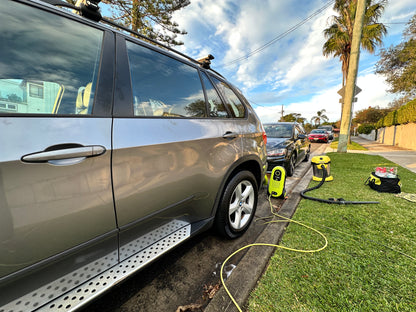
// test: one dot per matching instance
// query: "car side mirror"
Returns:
(301, 136)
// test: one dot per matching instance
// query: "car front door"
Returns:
(56, 204)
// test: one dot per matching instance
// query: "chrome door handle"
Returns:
(65, 153)
(230, 135)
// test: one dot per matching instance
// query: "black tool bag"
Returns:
(382, 184)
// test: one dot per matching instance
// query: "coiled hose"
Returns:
(339, 201)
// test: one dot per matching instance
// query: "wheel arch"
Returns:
(249, 163)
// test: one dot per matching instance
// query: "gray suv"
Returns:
(112, 152)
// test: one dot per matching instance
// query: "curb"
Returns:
(248, 271)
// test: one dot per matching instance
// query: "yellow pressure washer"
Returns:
(277, 183)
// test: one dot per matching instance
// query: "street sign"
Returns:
(341, 100)
(342, 91)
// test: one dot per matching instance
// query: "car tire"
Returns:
(290, 169)
(237, 205)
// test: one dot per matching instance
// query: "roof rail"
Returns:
(90, 10)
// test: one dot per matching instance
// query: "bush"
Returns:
(366, 128)
(405, 114)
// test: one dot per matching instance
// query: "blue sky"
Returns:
(292, 71)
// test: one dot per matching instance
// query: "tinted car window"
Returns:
(53, 65)
(163, 86)
(318, 131)
(231, 100)
(216, 106)
(278, 130)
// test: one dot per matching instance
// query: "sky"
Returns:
(291, 71)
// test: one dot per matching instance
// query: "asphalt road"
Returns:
(188, 275)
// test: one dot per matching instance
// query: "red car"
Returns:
(318, 135)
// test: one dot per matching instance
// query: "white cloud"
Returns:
(373, 94)
(293, 70)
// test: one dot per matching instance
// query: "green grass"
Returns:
(364, 267)
(352, 146)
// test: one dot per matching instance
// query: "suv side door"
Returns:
(56, 204)
(170, 153)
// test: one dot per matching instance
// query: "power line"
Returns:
(281, 36)
(394, 23)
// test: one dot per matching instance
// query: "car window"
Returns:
(231, 100)
(297, 131)
(318, 131)
(278, 131)
(163, 86)
(216, 106)
(49, 68)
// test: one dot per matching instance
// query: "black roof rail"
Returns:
(90, 10)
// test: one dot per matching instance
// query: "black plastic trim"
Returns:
(103, 102)
(123, 95)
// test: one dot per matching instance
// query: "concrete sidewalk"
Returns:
(401, 156)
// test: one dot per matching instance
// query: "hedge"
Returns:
(403, 115)
(366, 128)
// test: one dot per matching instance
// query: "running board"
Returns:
(94, 287)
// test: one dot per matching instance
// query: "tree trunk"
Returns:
(351, 78)
(135, 16)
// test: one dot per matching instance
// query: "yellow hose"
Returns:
(271, 245)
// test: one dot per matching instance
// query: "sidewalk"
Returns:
(401, 156)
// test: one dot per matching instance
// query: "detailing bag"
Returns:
(384, 184)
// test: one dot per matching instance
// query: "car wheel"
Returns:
(237, 206)
(290, 169)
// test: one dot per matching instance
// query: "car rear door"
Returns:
(170, 156)
(56, 205)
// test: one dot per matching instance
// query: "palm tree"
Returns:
(339, 33)
(319, 116)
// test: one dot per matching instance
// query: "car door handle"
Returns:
(64, 153)
(230, 135)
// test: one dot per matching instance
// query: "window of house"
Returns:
(36, 90)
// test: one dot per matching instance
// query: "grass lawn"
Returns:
(369, 264)
(352, 146)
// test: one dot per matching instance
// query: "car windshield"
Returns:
(278, 131)
(318, 131)
(326, 128)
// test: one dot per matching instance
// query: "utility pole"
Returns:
(351, 77)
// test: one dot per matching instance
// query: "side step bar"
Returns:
(104, 274)
(99, 284)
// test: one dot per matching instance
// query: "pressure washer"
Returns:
(276, 187)
(321, 172)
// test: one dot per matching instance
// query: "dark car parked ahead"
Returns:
(287, 145)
